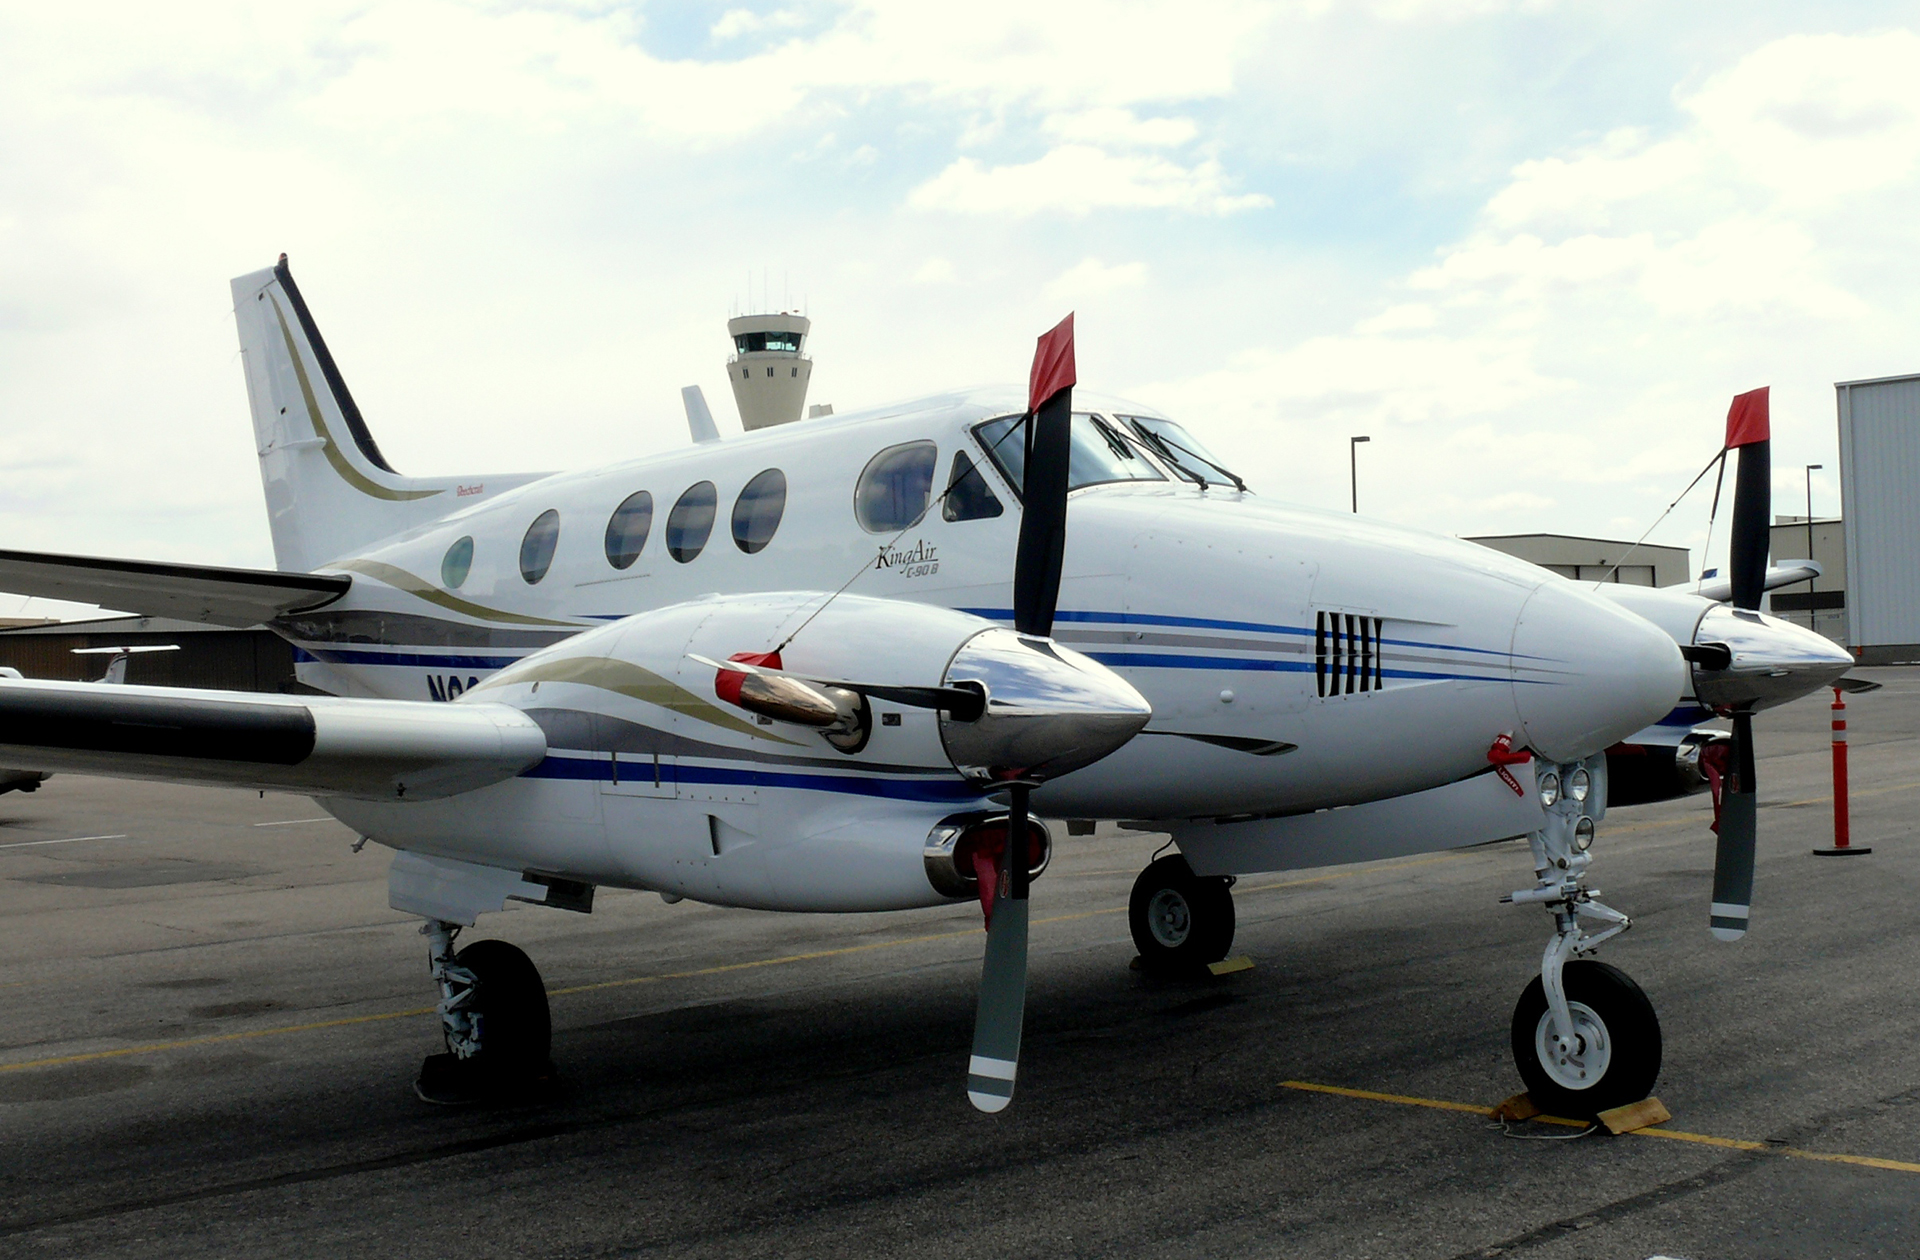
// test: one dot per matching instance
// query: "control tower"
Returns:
(768, 371)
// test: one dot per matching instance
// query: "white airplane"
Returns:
(833, 666)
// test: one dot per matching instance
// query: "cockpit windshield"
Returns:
(1101, 452)
(1171, 442)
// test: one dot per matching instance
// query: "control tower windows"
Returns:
(1100, 452)
(536, 549)
(757, 512)
(627, 529)
(755, 342)
(895, 487)
(691, 521)
(968, 497)
(455, 565)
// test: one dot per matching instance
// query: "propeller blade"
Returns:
(1003, 975)
(1043, 493)
(1733, 857)
(1748, 432)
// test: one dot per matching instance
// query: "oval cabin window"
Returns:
(627, 529)
(691, 521)
(757, 512)
(895, 487)
(536, 549)
(457, 563)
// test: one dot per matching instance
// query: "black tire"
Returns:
(1631, 1060)
(1180, 921)
(515, 1029)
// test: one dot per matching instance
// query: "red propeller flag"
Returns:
(1747, 418)
(1052, 364)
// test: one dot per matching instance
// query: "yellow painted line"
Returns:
(1677, 1135)
(152, 1047)
(1404, 1100)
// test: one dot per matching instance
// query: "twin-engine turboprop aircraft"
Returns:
(834, 665)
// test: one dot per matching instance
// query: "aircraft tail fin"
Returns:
(329, 489)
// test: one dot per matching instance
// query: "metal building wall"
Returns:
(227, 660)
(1880, 504)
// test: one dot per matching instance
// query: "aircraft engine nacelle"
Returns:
(825, 676)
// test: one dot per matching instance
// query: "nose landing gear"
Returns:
(1180, 921)
(1585, 1037)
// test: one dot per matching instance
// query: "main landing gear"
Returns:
(1585, 1037)
(1180, 921)
(493, 1013)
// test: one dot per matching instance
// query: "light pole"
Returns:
(1810, 468)
(1353, 466)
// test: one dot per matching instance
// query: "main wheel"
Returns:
(1180, 920)
(1616, 1043)
(512, 1023)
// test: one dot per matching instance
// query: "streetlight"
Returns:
(1810, 468)
(1353, 465)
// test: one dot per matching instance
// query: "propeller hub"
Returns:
(1771, 661)
(1049, 710)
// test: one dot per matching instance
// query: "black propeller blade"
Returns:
(1043, 497)
(1036, 594)
(1748, 433)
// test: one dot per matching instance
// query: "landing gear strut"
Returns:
(1180, 920)
(1585, 1037)
(493, 1014)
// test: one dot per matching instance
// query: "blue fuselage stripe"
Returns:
(599, 768)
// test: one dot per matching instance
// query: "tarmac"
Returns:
(210, 1021)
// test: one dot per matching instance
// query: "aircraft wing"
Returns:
(188, 592)
(321, 746)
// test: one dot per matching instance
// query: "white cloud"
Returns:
(1112, 128)
(1589, 328)
(737, 22)
(1076, 179)
(1092, 278)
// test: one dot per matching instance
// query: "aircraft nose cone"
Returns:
(1587, 673)
(1773, 661)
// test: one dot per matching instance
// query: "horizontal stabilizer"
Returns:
(321, 746)
(1720, 587)
(187, 592)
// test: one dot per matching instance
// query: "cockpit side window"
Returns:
(968, 497)
(1101, 452)
(895, 487)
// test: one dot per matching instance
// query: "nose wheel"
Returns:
(1180, 921)
(1609, 1057)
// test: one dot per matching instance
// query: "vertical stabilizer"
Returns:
(699, 419)
(330, 492)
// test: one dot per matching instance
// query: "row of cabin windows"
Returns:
(894, 492)
(756, 515)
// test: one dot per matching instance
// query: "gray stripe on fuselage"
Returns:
(405, 630)
(571, 730)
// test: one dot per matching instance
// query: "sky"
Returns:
(1530, 249)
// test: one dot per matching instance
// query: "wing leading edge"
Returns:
(188, 592)
(320, 746)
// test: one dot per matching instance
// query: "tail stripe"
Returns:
(349, 410)
(348, 473)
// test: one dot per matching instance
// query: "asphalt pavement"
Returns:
(210, 1021)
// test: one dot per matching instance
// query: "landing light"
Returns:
(1579, 783)
(1583, 834)
(1549, 789)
